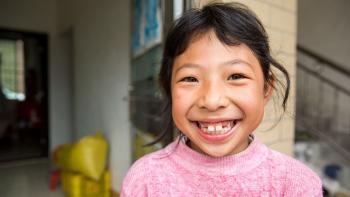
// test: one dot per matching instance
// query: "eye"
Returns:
(189, 79)
(236, 77)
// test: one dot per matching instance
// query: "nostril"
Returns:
(214, 104)
(212, 97)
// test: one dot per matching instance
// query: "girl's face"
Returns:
(218, 95)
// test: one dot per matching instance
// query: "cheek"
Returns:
(179, 102)
(182, 96)
(183, 100)
(251, 101)
(179, 109)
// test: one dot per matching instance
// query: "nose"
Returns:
(213, 96)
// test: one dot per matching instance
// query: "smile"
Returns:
(217, 131)
(216, 128)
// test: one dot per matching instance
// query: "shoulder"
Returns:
(140, 173)
(299, 179)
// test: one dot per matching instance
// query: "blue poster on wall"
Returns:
(147, 25)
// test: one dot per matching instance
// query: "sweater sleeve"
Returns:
(135, 181)
(302, 181)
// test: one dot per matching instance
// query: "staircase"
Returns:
(323, 101)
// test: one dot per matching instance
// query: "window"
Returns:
(12, 69)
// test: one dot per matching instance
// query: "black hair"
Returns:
(233, 24)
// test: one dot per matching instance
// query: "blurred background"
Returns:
(70, 68)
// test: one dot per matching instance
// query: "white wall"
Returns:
(61, 90)
(101, 73)
(324, 27)
(92, 97)
(34, 15)
(39, 16)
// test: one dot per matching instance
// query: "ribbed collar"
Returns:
(196, 162)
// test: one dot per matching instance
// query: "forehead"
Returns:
(207, 49)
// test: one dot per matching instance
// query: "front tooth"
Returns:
(218, 128)
(211, 128)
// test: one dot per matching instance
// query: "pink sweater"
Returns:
(257, 171)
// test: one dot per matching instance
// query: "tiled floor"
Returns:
(26, 179)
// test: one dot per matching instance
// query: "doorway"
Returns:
(23, 95)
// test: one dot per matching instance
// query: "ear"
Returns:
(268, 91)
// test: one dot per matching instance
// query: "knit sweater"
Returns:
(177, 170)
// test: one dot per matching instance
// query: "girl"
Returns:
(217, 79)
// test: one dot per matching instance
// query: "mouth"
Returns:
(217, 130)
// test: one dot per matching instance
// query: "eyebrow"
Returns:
(226, 63)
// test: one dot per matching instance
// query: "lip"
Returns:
(218, 137)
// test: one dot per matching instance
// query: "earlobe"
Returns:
(269, 87)
(268, 93)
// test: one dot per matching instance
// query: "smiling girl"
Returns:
(217, 79)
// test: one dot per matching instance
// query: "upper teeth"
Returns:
(216, 128)
(211, 128)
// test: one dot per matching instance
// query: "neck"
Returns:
(237, 149)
